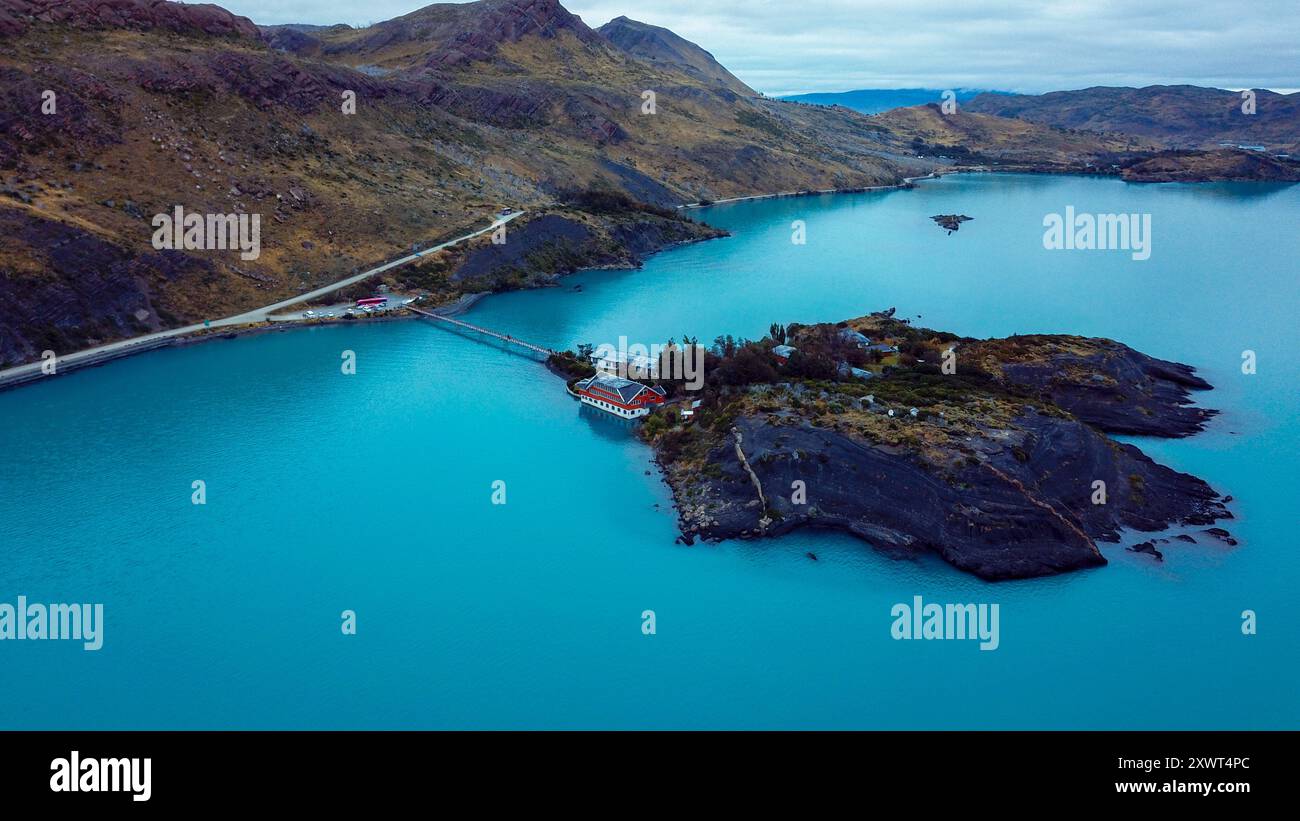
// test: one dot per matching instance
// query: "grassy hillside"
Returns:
(460, 110)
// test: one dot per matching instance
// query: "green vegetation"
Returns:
(572, 366)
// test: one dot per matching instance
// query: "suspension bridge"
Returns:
(510, 340)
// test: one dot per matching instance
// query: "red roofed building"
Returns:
(621, 397)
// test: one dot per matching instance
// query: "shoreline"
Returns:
(16, 380)
(229, 332)
(904, 184)
(11, 381)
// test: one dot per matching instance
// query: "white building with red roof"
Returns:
(621, 397)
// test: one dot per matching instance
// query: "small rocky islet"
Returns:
(950, 222)
(993, 454)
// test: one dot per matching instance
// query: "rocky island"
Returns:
(951, 222)
(992, 453)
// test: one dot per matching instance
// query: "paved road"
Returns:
(249, 317)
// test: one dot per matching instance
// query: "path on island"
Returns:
(103, 353)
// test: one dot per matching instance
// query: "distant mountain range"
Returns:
(1178, 116)
(876, 100)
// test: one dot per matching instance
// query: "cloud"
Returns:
(1018, 45)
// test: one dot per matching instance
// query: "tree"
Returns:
(777, 332)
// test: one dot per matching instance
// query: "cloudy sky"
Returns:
(791, 46)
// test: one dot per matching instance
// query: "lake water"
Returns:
(373, 493)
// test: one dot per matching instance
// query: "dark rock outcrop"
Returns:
(951, 222)
(1118, 389)
(1148, 547)
(1003, 485)
(545, 247)
(1021, 510)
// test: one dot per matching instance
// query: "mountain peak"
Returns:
(658, 45)
(467, 32)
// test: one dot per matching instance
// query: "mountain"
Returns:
(984, 139)
(1176, 116)
(461, 109)
(456, 34)
(114, 112)
(876, 100)
(657, 45)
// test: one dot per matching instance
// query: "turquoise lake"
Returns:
(373, 493)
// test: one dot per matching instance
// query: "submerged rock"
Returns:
(1222, 535)
(1148, 548)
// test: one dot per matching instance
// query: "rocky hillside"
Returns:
(999, 463)
(1205, 166)
(656, 45)
(1174, 116)
(460, 109)
(354, 145)
(17, 16)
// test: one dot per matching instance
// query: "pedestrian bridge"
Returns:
(510, 340)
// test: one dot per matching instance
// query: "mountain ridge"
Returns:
(458, 111)
(1180, 116)
(655, 44)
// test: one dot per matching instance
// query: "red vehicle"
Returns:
(374, 301)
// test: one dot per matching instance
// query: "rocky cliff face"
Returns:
(1003, 474)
